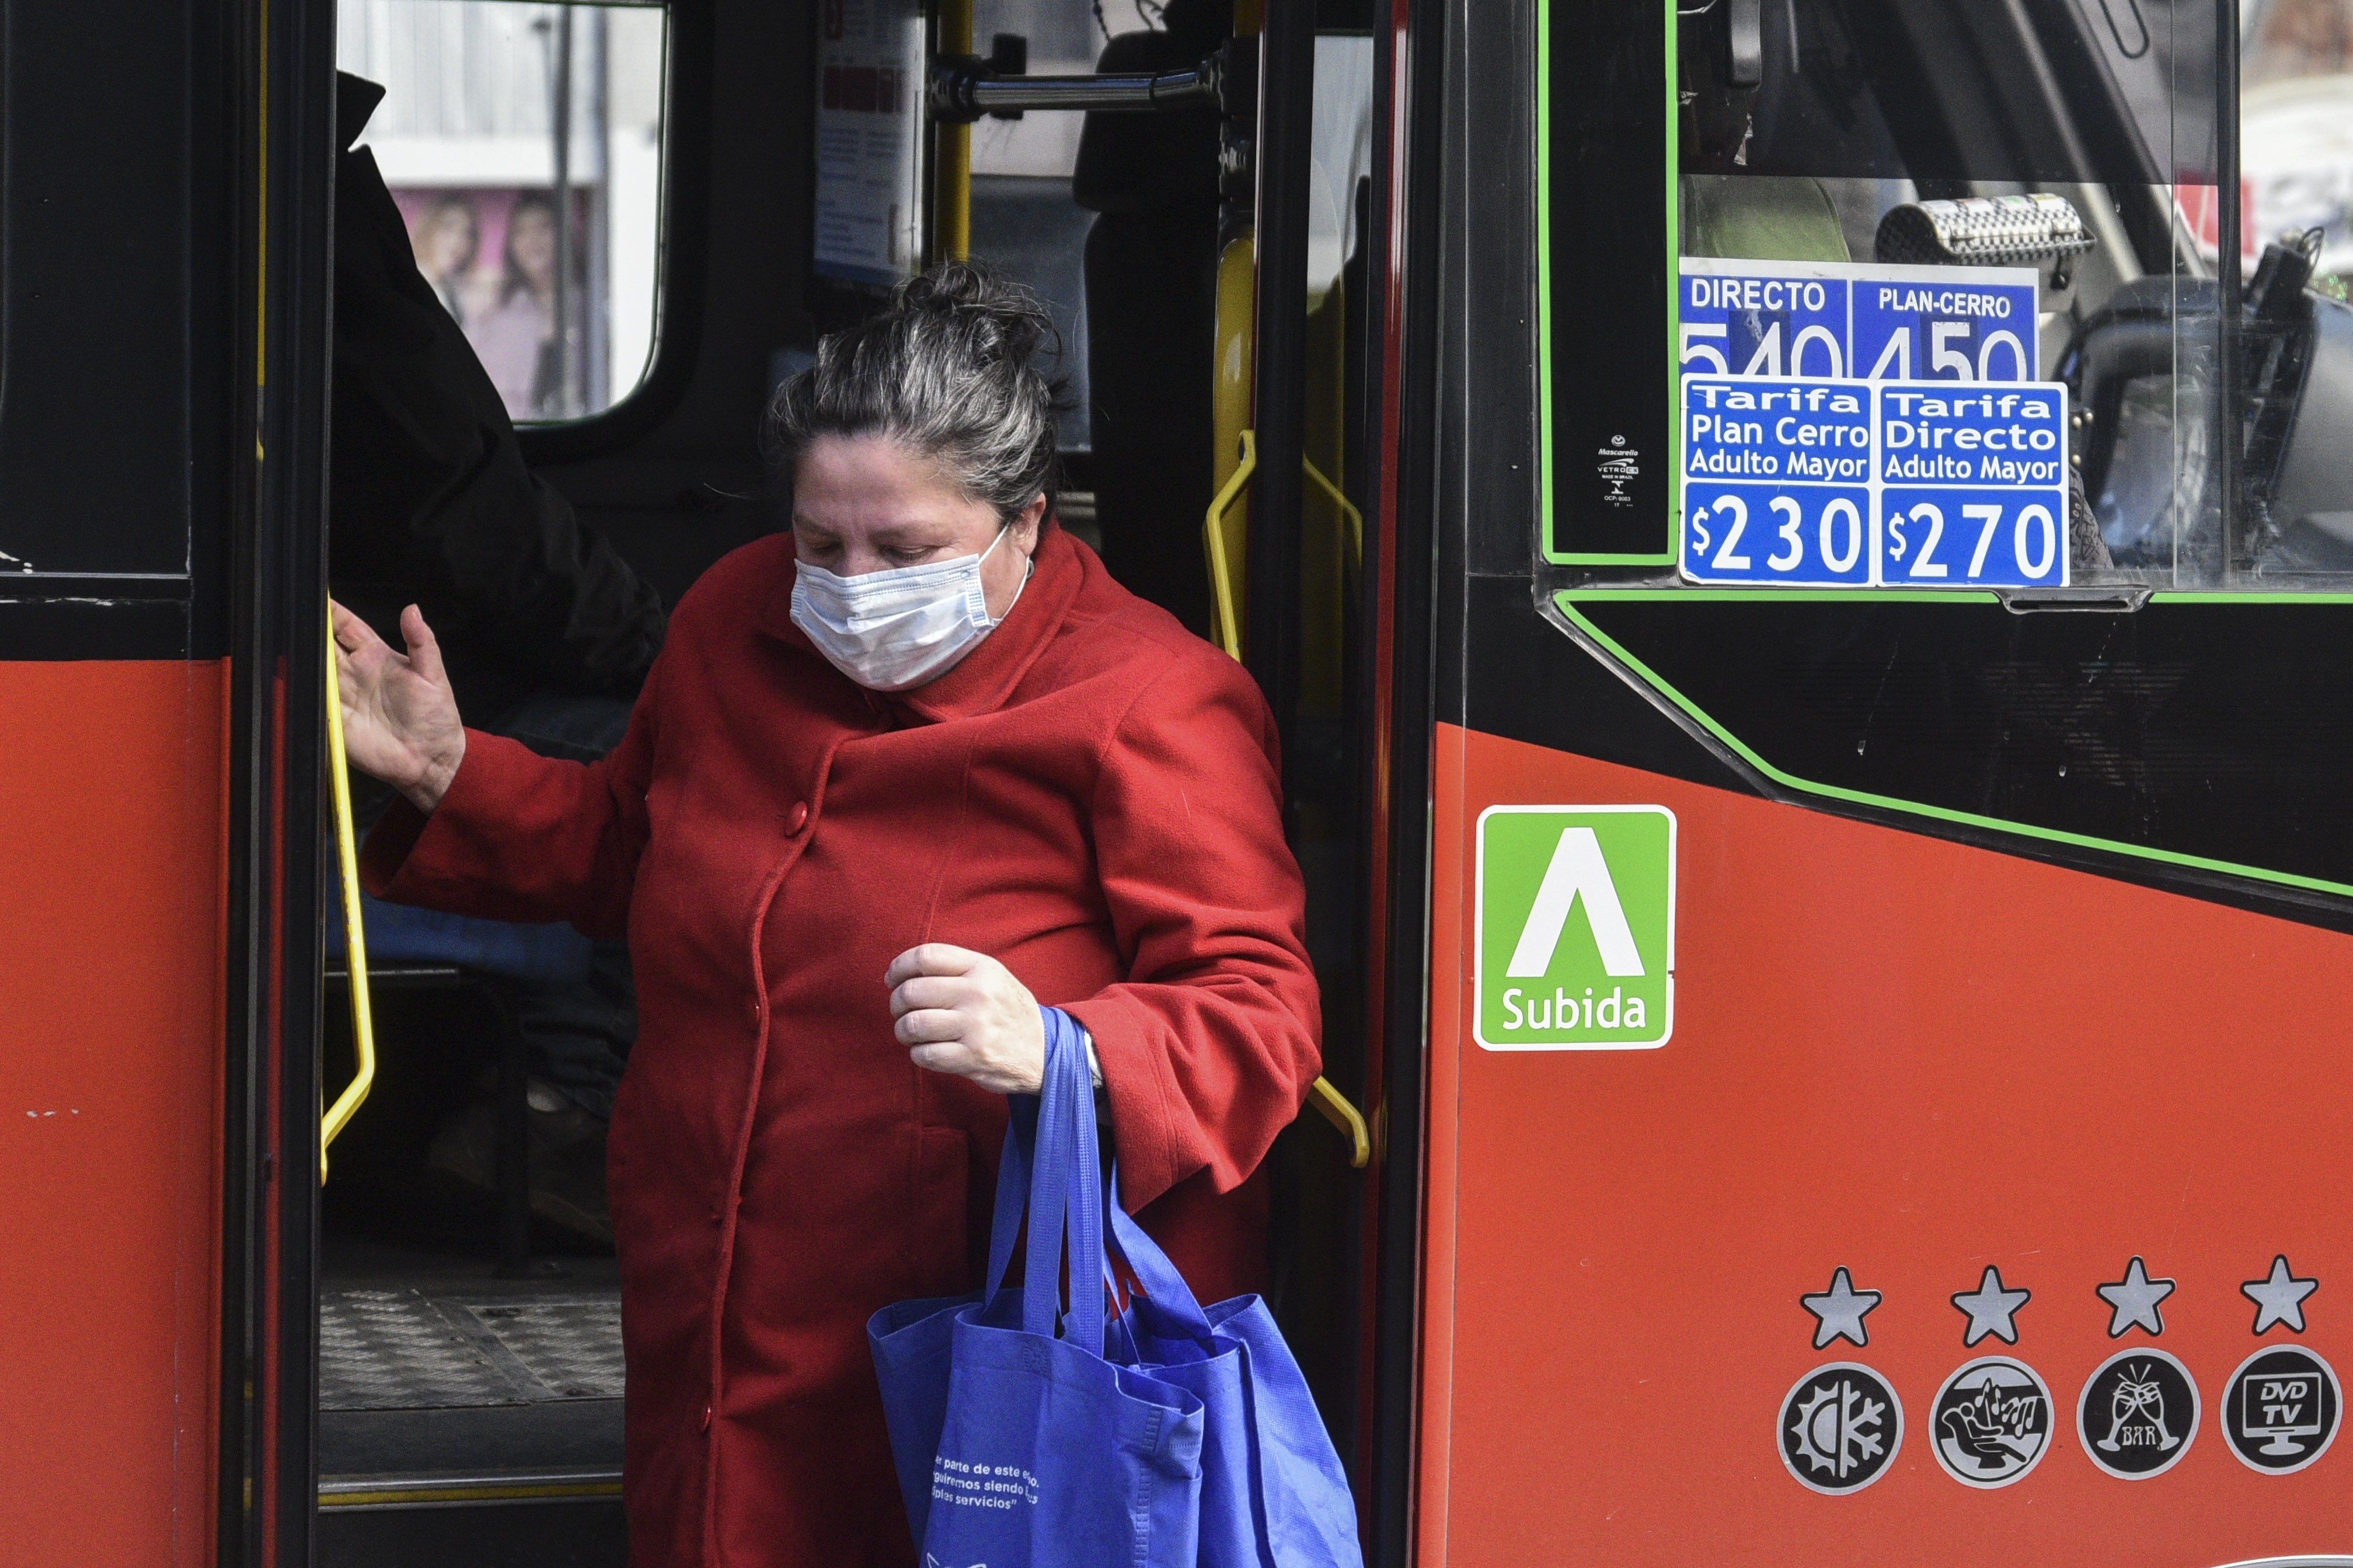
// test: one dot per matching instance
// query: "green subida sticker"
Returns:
(1575, 944)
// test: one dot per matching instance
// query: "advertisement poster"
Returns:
(870, 123)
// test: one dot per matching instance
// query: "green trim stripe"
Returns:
(1683, 595)
(1568, 604)
(1544, 278)
(1674, 110)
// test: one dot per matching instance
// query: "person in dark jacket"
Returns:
(547, 629)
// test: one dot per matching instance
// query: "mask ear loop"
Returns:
(1029, 570)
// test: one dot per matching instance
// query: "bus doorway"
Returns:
(583, 190)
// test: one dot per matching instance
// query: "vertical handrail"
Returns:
(1347, 509)
(1225, 608)
(952, 147)
(347, 857)
(1226, 618)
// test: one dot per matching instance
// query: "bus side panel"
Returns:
(1911, 1059)
(111, 1053)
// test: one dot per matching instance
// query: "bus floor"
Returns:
(466, 1419)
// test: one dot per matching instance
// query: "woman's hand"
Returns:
(400, 719)
(962, 1012)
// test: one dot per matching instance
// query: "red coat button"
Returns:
(706, 1418)
(796, 818)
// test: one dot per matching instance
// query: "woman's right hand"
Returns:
(400, 718)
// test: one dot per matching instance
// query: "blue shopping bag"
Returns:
(911, 1339)
(1273, 1493)
(1266, 1488)
(1037, 1452)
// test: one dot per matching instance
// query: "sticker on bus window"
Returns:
(1817, 482)
(1867, 322)
(1868, 426)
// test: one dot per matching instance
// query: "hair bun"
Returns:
(1009, 319)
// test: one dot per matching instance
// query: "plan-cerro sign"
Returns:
(1575, 941)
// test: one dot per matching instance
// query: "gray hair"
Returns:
(948, 371)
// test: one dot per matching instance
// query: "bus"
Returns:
(1801, 551)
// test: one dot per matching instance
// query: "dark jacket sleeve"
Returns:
(431, 501)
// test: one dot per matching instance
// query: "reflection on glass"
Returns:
(1798, 152)
(523, 143)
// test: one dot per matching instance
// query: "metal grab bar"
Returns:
(1347, 510)
(1224, 614)
(952, 148)
(347, 854)
(1335, 1107)
(962, 89)
(1346, 1118)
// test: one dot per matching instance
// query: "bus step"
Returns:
(520, 1519)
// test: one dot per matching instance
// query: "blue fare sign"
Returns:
(1973, 485)
(1777, 480)
(1865, 321)
(1838, 483)
(1972, 328)
(1754, 322)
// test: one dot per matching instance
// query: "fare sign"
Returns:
(1866, 323)
(1834, 482)
(1866, 427)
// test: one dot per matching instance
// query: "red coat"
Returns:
(1091, 796)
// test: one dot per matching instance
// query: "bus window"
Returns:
(1024, 220)
(2297, 128)
(1868, 198)
(498, 116)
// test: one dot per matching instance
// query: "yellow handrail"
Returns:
(1224, 612)
(1334, 1106)
(1345, 1117)
(1347, 510)
(952, 150)
(347, 856)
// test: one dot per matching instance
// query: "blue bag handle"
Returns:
(1051, 1146)
(1012, 1188)
(1162, 1283)
(1065, 1196)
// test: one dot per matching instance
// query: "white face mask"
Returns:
(892, 630)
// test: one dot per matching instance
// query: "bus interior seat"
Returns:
(1761, 217)
(1151, 285)
(415, 949)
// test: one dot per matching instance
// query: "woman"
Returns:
(447, 236)
(515, 336)
(898, 778)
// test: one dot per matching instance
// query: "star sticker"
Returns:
(2135, 1298)
(1991, 1309)
(1841, 1309)
(2279, 1299)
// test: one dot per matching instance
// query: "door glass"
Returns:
(1027, 220)
(2295, 368)
(498, 117)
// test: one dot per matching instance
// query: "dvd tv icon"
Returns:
(1574, 945)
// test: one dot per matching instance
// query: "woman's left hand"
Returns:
(962, 1012)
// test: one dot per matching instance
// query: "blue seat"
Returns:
(399, 934)
(409, 946)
